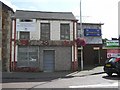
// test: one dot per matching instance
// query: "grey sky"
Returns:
(94, 11)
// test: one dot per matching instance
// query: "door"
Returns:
(79, 59)
(49, 60)
(96, 57)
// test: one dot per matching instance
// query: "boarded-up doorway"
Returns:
(49, 60)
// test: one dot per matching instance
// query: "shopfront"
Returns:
(92, 51)
(113, 49)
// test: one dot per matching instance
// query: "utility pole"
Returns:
(119, 40)
(81, 35)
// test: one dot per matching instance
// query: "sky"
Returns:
(93, 11)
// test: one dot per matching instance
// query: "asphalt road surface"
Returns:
(100, 81)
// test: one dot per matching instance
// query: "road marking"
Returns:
(96, 85)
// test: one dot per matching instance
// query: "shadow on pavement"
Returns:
(44, 76)
(33, 77)
(113, 77)
(90, 74)
(89, 67)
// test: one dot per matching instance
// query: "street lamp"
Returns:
(81, 35)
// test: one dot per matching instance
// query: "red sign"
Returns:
(113, 53)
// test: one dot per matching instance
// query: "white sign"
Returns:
(33, 60)
(112, 55)
(25, 26)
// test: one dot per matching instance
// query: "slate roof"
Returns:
(44, 15)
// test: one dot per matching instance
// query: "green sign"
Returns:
(112, 43)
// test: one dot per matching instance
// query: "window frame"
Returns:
(45, 30)
(23, 32)
(63, 32)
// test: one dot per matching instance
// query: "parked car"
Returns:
(112, 65)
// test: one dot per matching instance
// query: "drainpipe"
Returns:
(10, 47)
(75, 48)
(14, 63)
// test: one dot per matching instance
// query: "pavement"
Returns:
(64, 74)
(87, 72)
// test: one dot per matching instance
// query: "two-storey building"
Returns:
(44, 41)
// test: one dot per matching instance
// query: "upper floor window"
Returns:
(24, 35)
(45, 31)
(64, 31)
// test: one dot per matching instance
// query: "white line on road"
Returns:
(105, 85)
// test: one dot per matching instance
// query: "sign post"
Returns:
(119, 40)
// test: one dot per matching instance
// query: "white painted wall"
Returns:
(35, 35)
(54, 29)
(12, 56)
(71, 30)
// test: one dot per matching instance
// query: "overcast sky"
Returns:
(93, 11)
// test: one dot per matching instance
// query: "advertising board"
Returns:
(92, 32)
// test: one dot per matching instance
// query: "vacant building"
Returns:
(44, 41)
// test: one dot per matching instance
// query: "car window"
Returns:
(112, 60)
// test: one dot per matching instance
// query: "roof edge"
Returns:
(7, 6)
(44, 11)
(93, 23)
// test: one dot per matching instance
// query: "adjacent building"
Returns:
(93, 54)
(44, 41)
(5, 35)
(0, 36)
(112, 48)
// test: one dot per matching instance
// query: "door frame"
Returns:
(98, 53)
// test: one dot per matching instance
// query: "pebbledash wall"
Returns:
(53, 50)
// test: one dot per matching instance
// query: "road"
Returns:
(100, 80)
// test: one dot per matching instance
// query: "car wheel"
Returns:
(109, 74)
